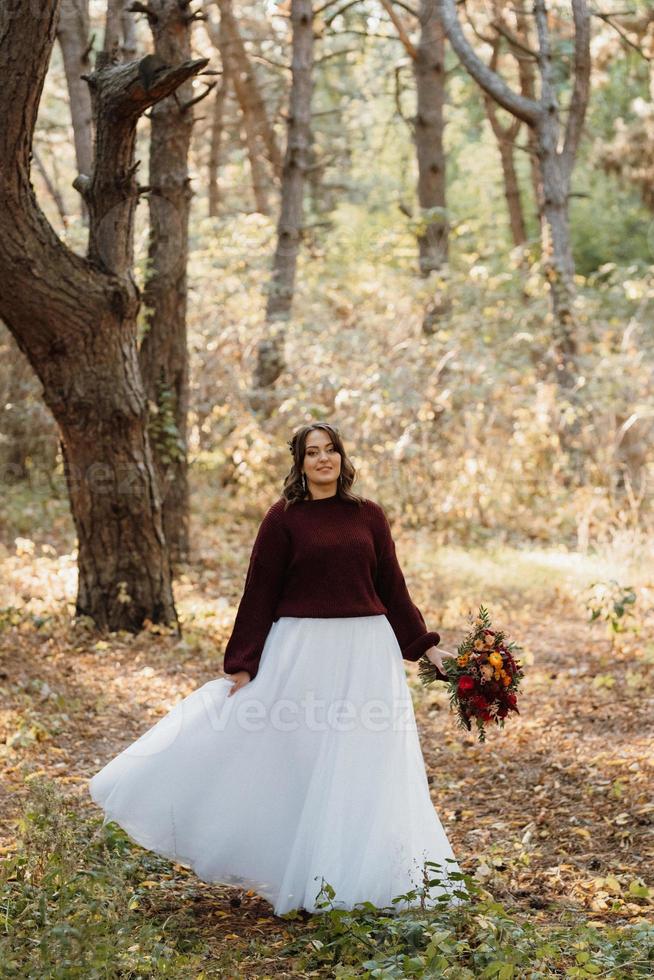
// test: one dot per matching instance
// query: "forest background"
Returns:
(355, 231)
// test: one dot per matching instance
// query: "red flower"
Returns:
(465, 685)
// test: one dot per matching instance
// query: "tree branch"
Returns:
(198, 98)
(400, 28)
(526, 109)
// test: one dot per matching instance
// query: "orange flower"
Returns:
(496, 659)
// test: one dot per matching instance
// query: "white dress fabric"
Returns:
(312, 771)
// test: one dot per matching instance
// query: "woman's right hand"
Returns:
(240, 678)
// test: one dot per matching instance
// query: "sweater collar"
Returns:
(322, 500)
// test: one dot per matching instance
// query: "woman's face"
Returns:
(322, 461)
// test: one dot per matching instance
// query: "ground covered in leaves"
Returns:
(552, 816)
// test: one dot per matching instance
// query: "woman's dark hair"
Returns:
(293, 490)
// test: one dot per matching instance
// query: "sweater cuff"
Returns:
(415, 650)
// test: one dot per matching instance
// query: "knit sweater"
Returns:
(328, 557)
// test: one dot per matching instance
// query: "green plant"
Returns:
(612, 603)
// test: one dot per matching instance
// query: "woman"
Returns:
(300, 769)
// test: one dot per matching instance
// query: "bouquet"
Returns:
(483, 678)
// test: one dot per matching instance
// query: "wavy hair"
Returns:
(293, 490)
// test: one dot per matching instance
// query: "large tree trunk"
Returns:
(163, 355)
(270, 355)
(429, 70)
(75, 320)
(73, 34)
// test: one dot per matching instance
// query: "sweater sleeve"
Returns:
(263, 586)
(404, 616)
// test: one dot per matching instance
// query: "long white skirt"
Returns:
(312, 773)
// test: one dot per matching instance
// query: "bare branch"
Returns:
(337, 13)
(268, 61)
(335, 54)
(369, 34)
(526, 109)
(198, 98)
(607, 20)
(396, 20)
(513, 40)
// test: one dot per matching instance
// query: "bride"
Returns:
(299, 773)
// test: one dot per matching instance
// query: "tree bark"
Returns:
(75, 320)
(270, 354)
(120, 29)
(163, 355)
(429, 126)
(113, 28)
(527, 77)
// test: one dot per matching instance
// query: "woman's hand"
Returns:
(436, 654)
(240, 678)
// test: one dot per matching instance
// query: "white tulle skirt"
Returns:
(312, 773)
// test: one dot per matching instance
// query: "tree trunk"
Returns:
(270, 355)
(73, 34)
(526, 75)
(556, 163)
(512, 192)
(556, 172)
(113, 28)
(506, 136)
(163, 355)
(128, 23)
(75, 320)
(248, 89)
(429, 71)
(236, 68)
(216, 143)
(120, 30)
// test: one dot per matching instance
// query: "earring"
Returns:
(304, 482)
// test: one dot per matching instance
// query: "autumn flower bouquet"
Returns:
(483, 678)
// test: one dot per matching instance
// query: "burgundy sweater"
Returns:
(326, 557)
